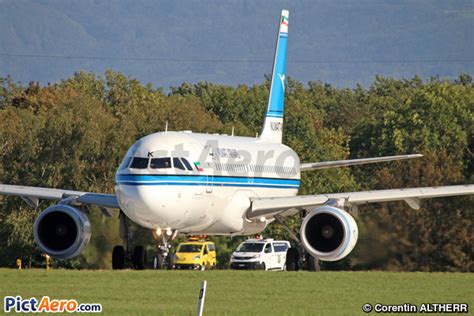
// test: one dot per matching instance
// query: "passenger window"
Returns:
(139, 163)
(187, 164)
(268, 248)
(160, 163)
(211, 247)
(280, 247)
(177, 164)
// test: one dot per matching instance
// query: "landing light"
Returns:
(262, 219)
(168, 232)
(158, 231)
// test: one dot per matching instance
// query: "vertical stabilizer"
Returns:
(273, 125)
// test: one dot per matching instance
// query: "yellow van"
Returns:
(195, 255)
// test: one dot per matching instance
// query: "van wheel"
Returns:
(292, 257)
(203, 267)
(263, 267)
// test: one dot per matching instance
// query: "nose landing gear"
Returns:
(124, 257)
(164, 258)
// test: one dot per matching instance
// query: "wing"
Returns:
(32, 195)
(353, 162)
(269, 207)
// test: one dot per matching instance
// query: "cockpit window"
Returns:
(177, 164)
(139, 163)
(125, 163)
(160, 163)
(187, 164)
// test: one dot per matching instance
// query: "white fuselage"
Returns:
(213, 197)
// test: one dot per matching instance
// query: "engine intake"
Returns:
(329, 233)
(62, 231)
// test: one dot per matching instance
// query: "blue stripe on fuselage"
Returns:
(141, 179)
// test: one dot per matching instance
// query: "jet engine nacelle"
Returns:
(62, 231)
(329, 233)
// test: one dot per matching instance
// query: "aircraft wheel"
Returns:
(159, 261)
(170, 261)
(292, 257)
(312, 263)
(139, 258)
(118, 258)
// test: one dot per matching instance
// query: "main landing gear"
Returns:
(122, 256)
(164, 258)
(297, 257)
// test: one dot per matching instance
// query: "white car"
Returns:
(264, 254)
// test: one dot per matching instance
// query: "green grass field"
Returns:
(238, 292)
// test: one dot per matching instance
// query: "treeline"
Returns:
(73, 135)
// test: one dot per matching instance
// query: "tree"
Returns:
(74, 134)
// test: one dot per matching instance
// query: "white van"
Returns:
(264, 254)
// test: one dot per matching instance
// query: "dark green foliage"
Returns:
(74, 134)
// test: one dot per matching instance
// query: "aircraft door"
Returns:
(210, 179)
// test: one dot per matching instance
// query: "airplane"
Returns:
(210, 184)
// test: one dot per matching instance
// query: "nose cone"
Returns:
(148, 205)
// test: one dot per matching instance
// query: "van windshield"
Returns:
(250, 247)
(189, 248)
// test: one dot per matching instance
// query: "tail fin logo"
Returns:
(284, 25)
(282, 79)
